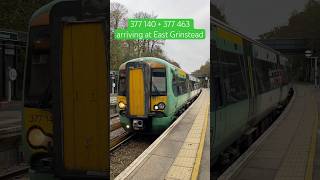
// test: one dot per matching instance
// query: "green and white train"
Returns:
(249, 82)
(152, 92)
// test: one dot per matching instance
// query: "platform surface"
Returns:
(287, 150)
(181, 152)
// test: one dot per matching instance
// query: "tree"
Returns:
(217, 13)
(121, 51)
(15, 14)
(146, 47)
(118, 13)
(204, 70)
(175, 63)
(301, 25)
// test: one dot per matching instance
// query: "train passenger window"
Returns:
(122, 83)
(265, 75)
(192, 85)
(158, 82)
(174, 84)
(217, 99)
(232, 79)
(184, 86)
(283, 76)
(179, 86)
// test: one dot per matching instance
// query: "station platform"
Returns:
(287, 150)
(181, 152)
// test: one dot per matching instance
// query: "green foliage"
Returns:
(305, 24)
(204, 70)
(15, 14)
(301, 25)
(217, 13)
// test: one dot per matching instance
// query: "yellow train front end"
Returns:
(143, 95)
(65, 113)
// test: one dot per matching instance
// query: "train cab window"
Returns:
(158, 82)
(38, 81)
(122, 83)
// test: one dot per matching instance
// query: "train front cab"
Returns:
(142, 99)
(64, 117)
(151, 93)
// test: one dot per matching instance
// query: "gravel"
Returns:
(124, 155)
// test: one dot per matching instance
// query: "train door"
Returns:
(136, 89)
(216, 102)
(138, 93)
(250, 72)
(279, 76)
(80, 92)
(84, 94)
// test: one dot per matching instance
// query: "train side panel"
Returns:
(243, 95)
(231, 115)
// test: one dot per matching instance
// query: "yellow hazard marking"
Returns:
(196, 168)
(187, 163)
(309, 170)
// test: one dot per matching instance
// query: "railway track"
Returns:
(11, 131)
(16, 173)
(116, 142)
(121, 135)
(129, 148)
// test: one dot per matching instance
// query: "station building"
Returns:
(12, 57)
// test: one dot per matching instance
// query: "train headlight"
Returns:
(37, 138)
(161, 106)
(122, 105)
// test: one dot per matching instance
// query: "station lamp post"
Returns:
(308, 54)
(207, 82)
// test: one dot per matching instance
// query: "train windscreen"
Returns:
(159, 87)
(37, 87)
(122, 83)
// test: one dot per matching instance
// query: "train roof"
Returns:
(234, 31)
(153, 59)
(158, 60)
(45, 9)
(43, 13)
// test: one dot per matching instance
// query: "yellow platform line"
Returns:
(187, 162)
(196, 167)
(309, 170)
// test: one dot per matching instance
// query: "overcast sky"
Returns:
(255, 17)
(190, 54)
